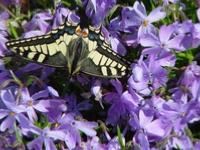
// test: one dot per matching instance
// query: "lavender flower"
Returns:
(190, 82)
(164, 42)
(148, 129)
(147, 20)
(63, 14)
(4, 74)
(114, 144)
(10, 2)
(39, 22)
(97, 9)
(12, 112)
(140, 78)
(60, 15)
(46, 137)
(35, 102)
(153, 109)
(3, 33)
(71, 127)
(179, 113)
(93, 143)
(97, 91)
(180, 141)
(122, 103)
(167, 2)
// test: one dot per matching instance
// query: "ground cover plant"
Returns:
(155, 106)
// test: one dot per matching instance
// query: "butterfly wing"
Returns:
(102, 61)
(50, 49)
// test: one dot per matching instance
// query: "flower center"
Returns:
(183, 114)
(12, 113)
(145, 23)
(30, 103)
(56, 125)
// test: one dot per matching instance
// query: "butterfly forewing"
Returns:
(47, 49)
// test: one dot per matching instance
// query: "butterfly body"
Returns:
(78, 50)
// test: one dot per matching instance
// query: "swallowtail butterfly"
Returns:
(73, 48)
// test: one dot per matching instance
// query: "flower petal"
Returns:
(166, 32)
(43, 105)
(57, 134)
(157, 14)
(140, 9)
(144, 119)
(3, 113)
(49, 145)
(25, 95)
(155, 128)
(149, 40)
(118, 86)
(40, 94)
(177, 43)
(87, 127)
(32, 114)
(35, 144)
(8, 123)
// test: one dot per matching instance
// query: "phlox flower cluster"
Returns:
(156, 106)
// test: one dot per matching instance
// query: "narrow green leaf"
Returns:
(120, 140)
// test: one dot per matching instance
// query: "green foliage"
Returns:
(120, 139)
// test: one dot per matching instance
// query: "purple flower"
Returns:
(35, 102)
(98, 9)
(191, 74)
(196, 35)
(93, 143)
(39, 22)
(180, 141)
(12, 112)
(73, 106)
(179, 113)
(145, 20)
(148, 129)
(114, 37)
(129, 20)
(140, 78)
(10, 2)
(167, 2)
(35, 69)
(96, 90)
(4, 16)
(190, 82)
(3, 32)
(114, 144)
(29, 34)
(4, 74)
(60, 15)
(150, 74)
(156, 105)
(3, 48)
(198, 13)
(122, 103)
(72, 127)
(164, 42)
(47, 137)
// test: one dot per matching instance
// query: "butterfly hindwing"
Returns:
(102, 60)
(102, 63)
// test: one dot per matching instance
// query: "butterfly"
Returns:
(75, 49)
